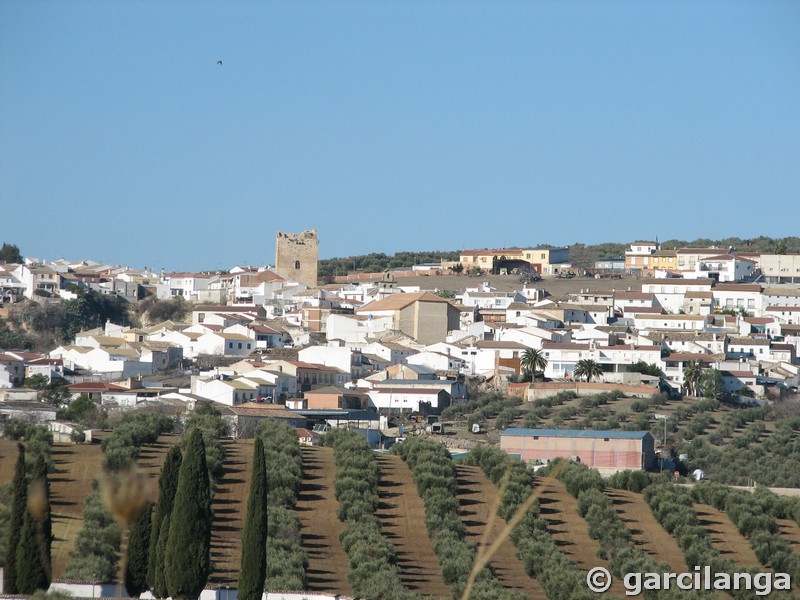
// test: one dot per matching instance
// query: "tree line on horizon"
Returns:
(585, 254)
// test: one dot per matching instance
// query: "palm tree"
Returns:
(533, 360)
(692, 373)
(587, 368)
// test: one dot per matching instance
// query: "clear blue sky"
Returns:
(392, 125)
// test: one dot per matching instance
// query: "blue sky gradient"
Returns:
(392, 125)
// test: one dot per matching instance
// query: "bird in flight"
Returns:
(219, 62)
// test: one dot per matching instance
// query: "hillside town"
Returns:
(274, 341)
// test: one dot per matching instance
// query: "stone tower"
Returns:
(296, 256)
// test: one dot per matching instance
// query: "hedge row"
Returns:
(754, 515)
(436, 479)
(559, 575)
(608, 528)
(673, 507)
(121, 448)
(208, 419)
(287, 562)
(373, 571)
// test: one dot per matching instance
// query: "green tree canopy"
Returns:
(588, 368)
(254, 541)
(533, 361)
(187, 560)
(9, 253)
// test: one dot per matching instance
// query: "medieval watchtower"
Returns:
(296, 256)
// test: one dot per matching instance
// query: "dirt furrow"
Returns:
(647, 533)
(402, 516)
(320, 527)
(477, 497)
(725, 537)
(790, 531)
(229, 506)
(568, 529)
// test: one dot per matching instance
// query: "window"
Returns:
(297, 264)
(605, 439)
(240, 345)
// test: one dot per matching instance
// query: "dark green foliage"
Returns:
(167, 486)
(254, 540)
(134, 429)
(84, 411)
(754, 515)
(45, 522)
(159, 581)
(11, 338)
(5, 520)
(10, 254)
(31, 572)
(558, 574)
(645, 369)
(19, 505)
(284, 462)
(38, 441)
(287, 561)
(436, 479)
(673, 507)
(373, 573)
(97, 544)
(377, 262)
(209, 422)
(187, 559)
(138, 548)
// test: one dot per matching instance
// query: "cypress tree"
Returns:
(159, 584)
(39, 477)
(187, 561)
(19, 506)
(138, 547)
(31, 572)
(167, 484)
(254, 542)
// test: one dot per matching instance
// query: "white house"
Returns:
(670, 293)
(784, 314)
(188, 285)
(356, 329)
(438, 361)
(647, 322)
(724, 268)
(114, 362)
(739, 296)
(232, 391)
(342, 357)
(228, 344)
(562, 358)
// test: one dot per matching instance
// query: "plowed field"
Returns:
(401, 513)
(230, 504)
(647, 533)
(402, 516)
(478, 499)
(317, 509)
(569, 529)
(725, 537)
